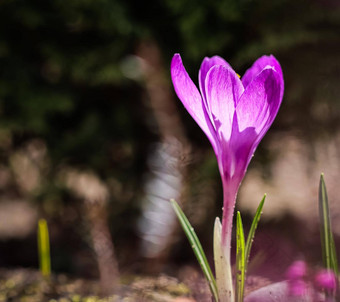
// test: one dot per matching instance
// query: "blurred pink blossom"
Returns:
(297, 270)
(295, 274)
(325, 280)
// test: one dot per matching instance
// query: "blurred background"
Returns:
(94, 139)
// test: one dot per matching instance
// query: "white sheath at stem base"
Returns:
(222, 266)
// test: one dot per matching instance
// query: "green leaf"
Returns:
(253, 227)
(240, 259)
(197, 248)
(334, 259)
(327, 242)
(44, 248)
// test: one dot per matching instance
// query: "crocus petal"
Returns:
(278, 292)
(188, 93)
(260, 101)
(223, 89)
(202, 74)
(258, 66)
(256, 111)
(239, 150)
(205, 67)
(243, 145)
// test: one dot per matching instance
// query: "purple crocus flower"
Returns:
(234, 114)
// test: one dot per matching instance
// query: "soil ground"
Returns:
(24, 285)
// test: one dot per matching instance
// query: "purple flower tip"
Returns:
(325, 280)
(297, 270)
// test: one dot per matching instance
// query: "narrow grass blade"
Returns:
(327, 242)
(44, 248)
(224, 278)
(240, 259)
(334, 259)
(197, 248)
(253, 227)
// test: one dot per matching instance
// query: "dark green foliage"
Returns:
(61, 78)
